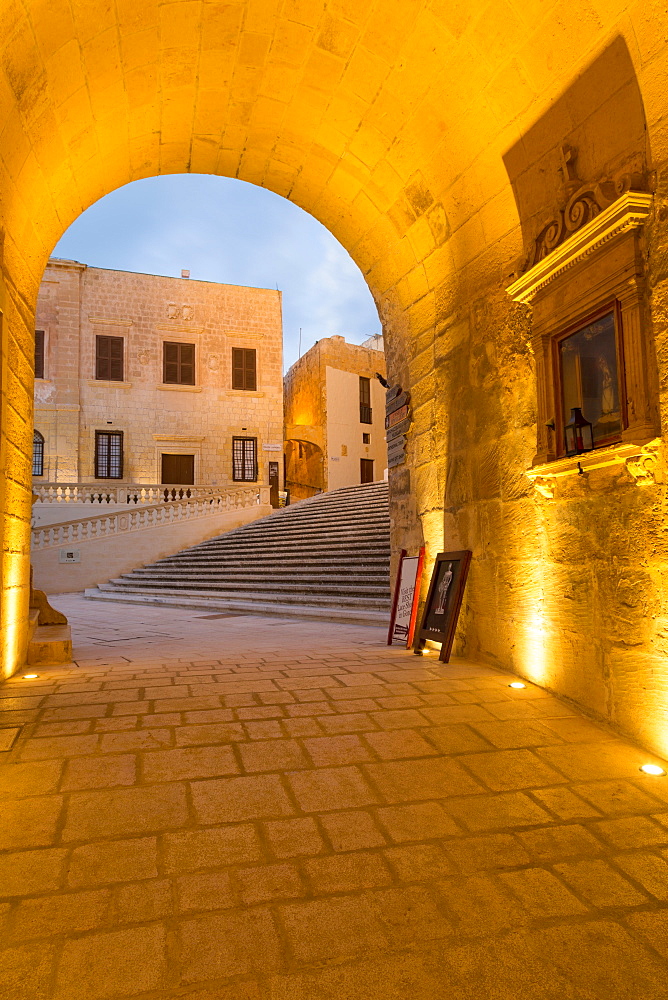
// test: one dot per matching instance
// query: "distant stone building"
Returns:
(335, 417)
(148, 379)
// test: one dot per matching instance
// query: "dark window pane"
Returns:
(39, 356)
(244, 459)
(37, 454)
(589, 377)
(108, 454)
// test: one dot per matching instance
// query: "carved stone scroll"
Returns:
(647, 468)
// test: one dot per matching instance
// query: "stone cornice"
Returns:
(627, 212)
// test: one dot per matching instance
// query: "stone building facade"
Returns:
(335, 417)
(150, 379)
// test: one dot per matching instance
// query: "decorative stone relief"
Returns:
(647, 467)
(187, 312)
(143, 357)
(213, 362)
(173, 311)
(584, 202)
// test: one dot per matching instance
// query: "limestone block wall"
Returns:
(345, 445)
(78, 303)
(322, 412)
(567, 590)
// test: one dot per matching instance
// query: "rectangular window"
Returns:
(39, 354)
(244, 368)
(365, 400)
(366, 470)
(108, 454)
(37, 454)
(588, 377)
(109, 359)
(366, 439)
(244, 460)
(178, 364)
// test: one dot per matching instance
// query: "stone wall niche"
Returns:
(598, 268)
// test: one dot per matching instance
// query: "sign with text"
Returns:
(406, 594)
(397, 422)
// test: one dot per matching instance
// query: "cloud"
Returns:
(229, 231)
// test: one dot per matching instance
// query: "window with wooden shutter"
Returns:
(109, 359)
(39, 354)
(178, 364)
(108, 454)
(365, 400)
(244, 368)
(244, 460)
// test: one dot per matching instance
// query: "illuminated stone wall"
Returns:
(390, 121)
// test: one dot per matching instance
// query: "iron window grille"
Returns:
(244, 460)
(178, 363)
(108, 454)
(37, 454)
(109, 359)
(244, 368)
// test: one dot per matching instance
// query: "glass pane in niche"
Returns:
(589, 377)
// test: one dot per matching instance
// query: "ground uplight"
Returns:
(516, 684)
(652, 769)
(30, 677)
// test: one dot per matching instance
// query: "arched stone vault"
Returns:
(387, 120)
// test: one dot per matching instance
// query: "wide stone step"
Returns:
(292, 557)
(194, 601)
(275, 552)
(322, 600)
(255, 586)
(298, 534)
(371, 574)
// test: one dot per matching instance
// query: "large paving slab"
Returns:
(239, 808)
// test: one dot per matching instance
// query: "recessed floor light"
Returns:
(30, 677)
(516, 684)
(652, 769)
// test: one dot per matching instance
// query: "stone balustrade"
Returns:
(83, 529)
(123, 493)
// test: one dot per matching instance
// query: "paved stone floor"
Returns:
(238, 808)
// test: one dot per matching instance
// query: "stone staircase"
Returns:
(325, 558)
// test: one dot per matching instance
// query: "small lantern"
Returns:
(578, 433)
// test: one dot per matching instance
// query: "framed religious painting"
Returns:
(441, 610)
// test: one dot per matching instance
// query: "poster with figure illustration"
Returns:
(441, 610)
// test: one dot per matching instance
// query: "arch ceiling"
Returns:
(385, 119)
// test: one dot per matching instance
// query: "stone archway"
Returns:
(387, 120)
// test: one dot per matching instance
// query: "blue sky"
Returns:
(229, 231)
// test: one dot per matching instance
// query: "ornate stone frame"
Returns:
(600, 265)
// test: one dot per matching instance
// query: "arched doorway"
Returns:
(388, 121)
